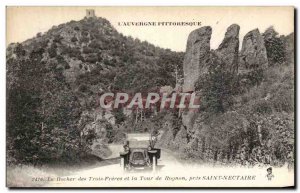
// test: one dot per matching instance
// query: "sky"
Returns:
(25, 22)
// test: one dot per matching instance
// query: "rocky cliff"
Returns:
(255, 127)
(253, 53)
(196, 58)
(229, 49)
(199, 59)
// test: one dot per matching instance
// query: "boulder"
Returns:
(253, 54)
(197, 56)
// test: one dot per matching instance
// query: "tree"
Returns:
(52, 51)
(38, 35)
(42, 111)
(216, 87)
(119, 115)
(74, 39)
(275, 46)
(23, 102)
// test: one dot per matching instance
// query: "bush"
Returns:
(111, 62)
(262, 107)
(85, 33)
(216, 87)
(83, 88)
(119, 115)
(283, 100)
(74, 52)
(67, 66)
(92, 58)
(95, 45)
(74, 39)
(274, 46)
(19, 50)
(52, 52)
(38, 35)
(84, 39)
(57, 39)
(87, 50)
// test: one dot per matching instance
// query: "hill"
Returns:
(55, 78)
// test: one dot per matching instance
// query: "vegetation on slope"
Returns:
(55, 79)
(248, 124)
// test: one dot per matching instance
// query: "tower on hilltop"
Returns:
(90, 13)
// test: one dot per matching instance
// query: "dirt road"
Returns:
(171, 172)
(107, 174)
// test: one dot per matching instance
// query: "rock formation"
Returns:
(196, 57)
(203, 135)
(228, 50)
(253, 53)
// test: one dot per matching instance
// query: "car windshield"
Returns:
(137, 156)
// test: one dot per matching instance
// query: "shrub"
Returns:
(274, 46)
(52, 52)
(111, 62)
(84, 39)
(85, 33)
(262, 107)
(95, 45)
(119, 115)
(83, 88)
(19, 50)
(67, 66)
(74, 52)
(38, 35)
(74, 39)
(57, 39)
(92, 58)
(216, 87)
(87, 50)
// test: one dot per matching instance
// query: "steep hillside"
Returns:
(58, 76)
(247, 100)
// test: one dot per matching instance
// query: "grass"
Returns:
(275, 92)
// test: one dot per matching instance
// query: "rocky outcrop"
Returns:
(240, 133)
(197, 56)
(253, 53)
(228, 50)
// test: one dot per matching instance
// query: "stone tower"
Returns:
(90, 13)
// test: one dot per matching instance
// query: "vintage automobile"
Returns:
(139, 153)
